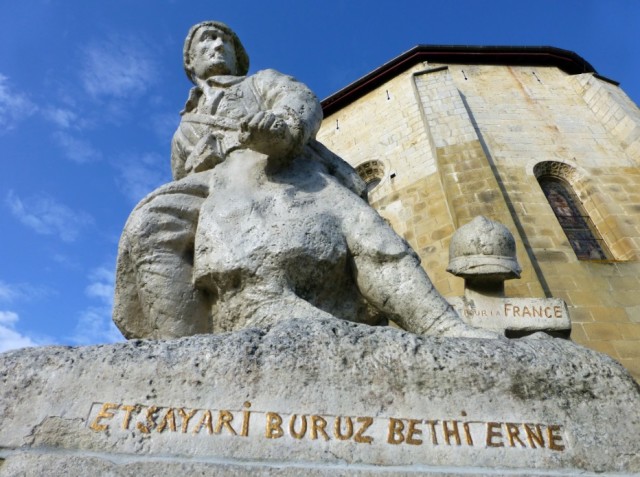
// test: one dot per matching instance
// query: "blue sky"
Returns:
(90, 93)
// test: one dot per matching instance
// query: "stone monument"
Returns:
(259, 281)
(261, 222)
(483, 252)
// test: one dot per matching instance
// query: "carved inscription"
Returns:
(533, 311)
(360, 430)
(513, 313)
(150, 419)
(518, 311)
(314, 427)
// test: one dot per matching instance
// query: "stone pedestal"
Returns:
(321, 397)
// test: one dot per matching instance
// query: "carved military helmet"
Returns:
(483, 250)
(242, 58)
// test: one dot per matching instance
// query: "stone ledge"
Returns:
(71, 465)
(371, 398)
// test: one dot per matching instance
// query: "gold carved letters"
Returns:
(460, 433)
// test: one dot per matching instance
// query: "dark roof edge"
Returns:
(566, 60)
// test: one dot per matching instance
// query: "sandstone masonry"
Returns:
(459, 140)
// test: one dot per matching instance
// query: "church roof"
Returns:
(566, 60)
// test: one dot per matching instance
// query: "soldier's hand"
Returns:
(268, 133)
(266, 122)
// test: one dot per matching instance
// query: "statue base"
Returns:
(326, 397)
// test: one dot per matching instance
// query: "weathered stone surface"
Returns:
(79, 466)
(495, 405)
(261, 221)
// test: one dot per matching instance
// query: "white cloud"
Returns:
(46, 216)
(8, 292)
(61, 117)
(103, 273)
(100, 286)
(96, 326)
(8, 318)
(14, 106)
(77, 150)
(119, 67)
(140, 175)
(103, 291)
(9, 337)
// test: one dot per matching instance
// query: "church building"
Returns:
(532, 137)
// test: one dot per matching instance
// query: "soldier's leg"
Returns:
(156, 260)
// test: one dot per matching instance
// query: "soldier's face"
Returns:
(212, 53)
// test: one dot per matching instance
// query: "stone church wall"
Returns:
(455, 141)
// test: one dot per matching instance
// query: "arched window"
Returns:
(372, 173)
(578, 227)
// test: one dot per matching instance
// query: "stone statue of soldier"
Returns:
(262, 223)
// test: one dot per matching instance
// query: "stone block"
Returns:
(633, 366)
(521, 314)
(581, 315)
(577, 334)
(624, 298)
(560, 282)
(609, 314)
(627, 349)
(630, 331)
(602, 331)
(633, 312)
(323, 397)
(589, 298)
(605, 347)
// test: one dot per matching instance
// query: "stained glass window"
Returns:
(576, 224)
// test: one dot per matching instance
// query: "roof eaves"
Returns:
(566, 60)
